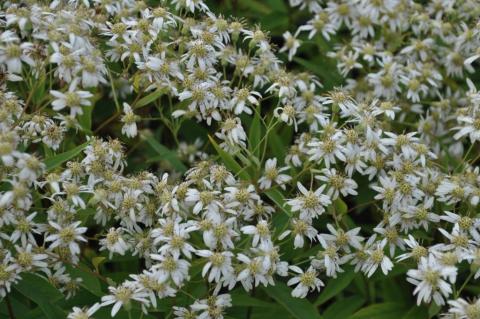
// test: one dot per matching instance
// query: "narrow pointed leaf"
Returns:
(57, 160)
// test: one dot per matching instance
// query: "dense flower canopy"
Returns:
(186, 141)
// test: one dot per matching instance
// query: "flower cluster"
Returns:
(229, 205)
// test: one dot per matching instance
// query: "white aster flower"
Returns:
(73, 99)
(305, 281)
(430, 280)
(129, 120)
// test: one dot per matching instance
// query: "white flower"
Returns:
(349, 62)
(465, 223)
(451, 191)
(254, 272)
(300, 228)
(272, 174)
(238, 196)
(92, 71)
(123, 295)
(430, 280)
(183, 313)
(328, 149)
(319, 23)
(459, 240)
(14, 54)
(191, 5)
(291, 45)
(240, 99)
(219, 265)
(377, 257)
(67, 57)
(338, 184)
(329, 258)
(199, 54)
(416, 250)
(390, 233)
(170, 267)
(310, 203)
(232, 133)
(29, 168)
(129, 119)
(342, 238)
(204, 200)
(114, 242)
(9, 271)
(404, 142)
(73, 98)
(257, 38)
(469, 125)
(287, 114)
(28, 260)
(67, 236)
(221, 232)
(261, 232)
(25, 227)
(83, 313)
(387, 192)
(305, 281)
(163, 67)
(354, 159)
(213, 307)
(461, 309)
(177, 242)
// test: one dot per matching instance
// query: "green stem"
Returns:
(457, 294)
(11, 315)
(269, 129)
(464, 157)
(250, 308)
(115, 99)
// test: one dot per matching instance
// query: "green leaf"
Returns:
(278, 5)
(344, 307)
(85, 120)
(254, 135)
(277, 197)
(257, 6)
(57, 160)
(241, 299)
(279, 220)
(33, 314)
(266, 313)
(398, 270)
(340, 207)
(90, 282)
(42, 293)
(297, 307)
(150, 97)
(277, 146)
(84, 214)
(229, 161)
(387, 310)
(104, 313)
(166, 153)
(38, 288)
(433, 310)
(394, 290)
(416, 313)
(97, 261)
(19, 308)
(335, 286)
(324, 68)
(39, 90)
